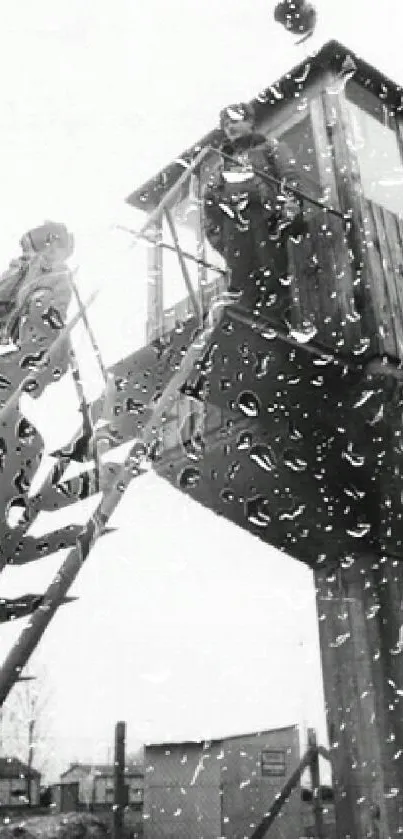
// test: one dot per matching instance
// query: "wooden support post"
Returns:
(155, 292)
(183, 267)
(119, 787)
(315, 781)
(282, 797)
(202, 275)
(359, 622)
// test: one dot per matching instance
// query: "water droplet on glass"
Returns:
(353, 492)
(356, 460)
(269, 333)
(257, 511)
(189, 477)
(33, 362)
(244, 441)
(362, 347)
(293, 462)
(16, 512)
(227, 496)
(295, 433)
(133, 406)
(194, 447)
(249, 404)
(360, 530)
(291, 515)
(303, 336)
(365, 396)
(340, 640)
(26, 432)
(263, 456)
(323, 360)
(262, 366)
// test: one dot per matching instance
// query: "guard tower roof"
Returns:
(329, 58)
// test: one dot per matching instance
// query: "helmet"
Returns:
(51, 239)
(236, 113)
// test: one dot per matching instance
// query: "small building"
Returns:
(92, 784)
(221, 788)
(18, 783)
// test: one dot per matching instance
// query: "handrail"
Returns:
(279, 182)
(186, 255)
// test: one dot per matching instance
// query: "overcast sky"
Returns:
(185, 627)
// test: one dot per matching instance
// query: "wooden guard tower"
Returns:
(296, 434)
(291, 430)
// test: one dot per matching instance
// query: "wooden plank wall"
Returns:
(377, 237)
(321, 264)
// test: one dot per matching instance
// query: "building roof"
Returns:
(168, 743)
(292, 84)
(12, 767)
(104, 770)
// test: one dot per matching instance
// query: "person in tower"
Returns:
(247, 218)
(35, 294)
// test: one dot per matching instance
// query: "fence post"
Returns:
(119, 787)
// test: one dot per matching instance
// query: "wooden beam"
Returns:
(359, 620)
(119, 787)
(315, 782)
(282, 797)
(184, 268)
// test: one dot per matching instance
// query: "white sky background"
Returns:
(185, 627)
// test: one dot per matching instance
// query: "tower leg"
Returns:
(359, 612)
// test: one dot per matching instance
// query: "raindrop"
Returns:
(244, 441)
(294, 433)
(340, 640)
(233, 469)
(249, 404)
(26, 432)
(269, 333)
(53, 318)
(4, 383)
(33, 362)
(194, 447)
(227, 496)
(356, 460)
(323, 360)
(225, 384)
(360, 531)
(286, 281)
(291, 515)
(133, 406)
(362, 347)
(262, 366)
(257, 511)
(303, 336)
(16, 512)
(30, 385)
(347, 562)
(378, 416)
(189, 477)
(21, 482)
(365, 396)
(263, 456)
(3, 452)
(293, 462)
(354, 492)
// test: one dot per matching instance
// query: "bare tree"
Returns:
(24, 723)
